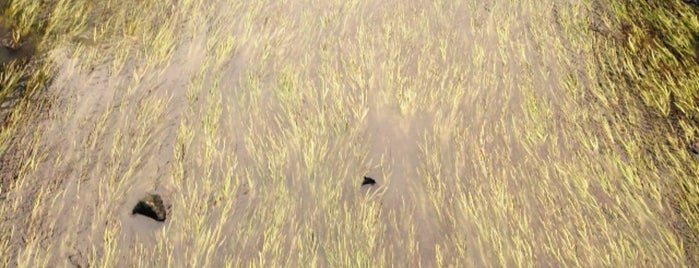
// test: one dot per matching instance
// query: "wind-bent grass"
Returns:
(501, 134)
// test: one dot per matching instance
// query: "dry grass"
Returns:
(526, 133)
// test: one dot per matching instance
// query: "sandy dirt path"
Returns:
(258, 122)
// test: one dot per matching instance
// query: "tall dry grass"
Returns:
(502, 133)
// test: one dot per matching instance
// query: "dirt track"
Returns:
(460, 111)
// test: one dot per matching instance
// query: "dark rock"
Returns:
(78, 260)
(368, 181)
(694, 148)
(151, 206)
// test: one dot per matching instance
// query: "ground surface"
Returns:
(257, 120)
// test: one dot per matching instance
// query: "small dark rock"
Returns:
(694, 148)
(151, 206)
(77, 260)
(368, 181)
